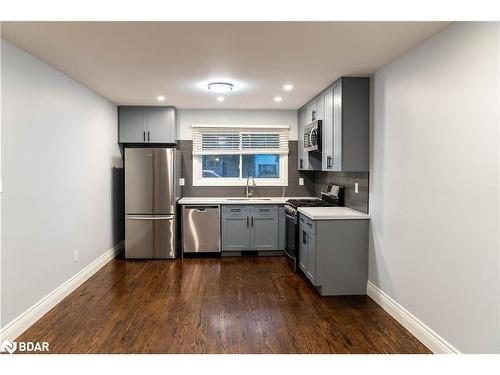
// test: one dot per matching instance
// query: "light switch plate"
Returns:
(356, 189)
(301, 181)
(181, 182)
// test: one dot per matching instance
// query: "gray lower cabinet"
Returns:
(333, 254)
(138, 124)
(250, 228)
(264, 228)
(236, 228)
(307, 262)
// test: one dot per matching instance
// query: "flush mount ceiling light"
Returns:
(278, 99)
(220, 98)
(220, 86)
(288, 87)
(160, 98)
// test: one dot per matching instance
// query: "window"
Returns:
(228, 155)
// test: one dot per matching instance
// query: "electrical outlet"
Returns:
(301, 181)
(75, 256)
(356, 189)
(182, 182)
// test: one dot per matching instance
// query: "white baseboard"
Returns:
(422, 332)
(20, 324)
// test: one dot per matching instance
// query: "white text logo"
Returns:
(8, 346)
(21, 346)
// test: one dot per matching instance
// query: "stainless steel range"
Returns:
(292, 226)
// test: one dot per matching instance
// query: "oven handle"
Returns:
(293, 218)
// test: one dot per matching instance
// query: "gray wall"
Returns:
(292, 190)
(434, 187)
(61, 179)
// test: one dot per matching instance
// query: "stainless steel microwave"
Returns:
(312, 136)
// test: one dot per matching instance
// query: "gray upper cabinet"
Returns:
(327, 132)
(346, 133)
(131, 125)
(161, 125)
(344, 109)
(146, 124)
(303, 157)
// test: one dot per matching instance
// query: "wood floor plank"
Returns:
(214, 305)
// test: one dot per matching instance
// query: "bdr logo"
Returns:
(12, 346)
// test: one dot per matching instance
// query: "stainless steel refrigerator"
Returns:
(151, 194)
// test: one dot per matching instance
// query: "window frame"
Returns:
(199, 180)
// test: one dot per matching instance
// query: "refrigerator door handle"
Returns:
(164, 217)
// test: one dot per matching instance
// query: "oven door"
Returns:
(291, 246)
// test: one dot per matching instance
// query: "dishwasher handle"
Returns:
(200, 208)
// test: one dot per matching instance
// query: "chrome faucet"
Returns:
(249, 194)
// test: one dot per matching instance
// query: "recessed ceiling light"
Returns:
(220, 86)
(278, 98)
(288, 87)
(160, 98)
(220, 98)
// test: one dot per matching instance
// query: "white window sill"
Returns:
(243, 182)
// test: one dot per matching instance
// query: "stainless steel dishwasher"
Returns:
(200, 229)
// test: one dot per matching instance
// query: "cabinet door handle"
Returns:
(301, 163)
(149, 138)
(304, 237)
(247, 221)
(252, 221)
(144, 136)
(329, 162)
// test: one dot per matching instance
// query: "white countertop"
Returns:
(332, 213)
(237, 200)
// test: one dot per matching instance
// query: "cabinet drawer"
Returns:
(265, 211)
(235, 211)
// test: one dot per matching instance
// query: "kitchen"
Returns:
(333, 132)
(209, 201)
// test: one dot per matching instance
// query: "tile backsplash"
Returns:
(314, 182)
(357, 201)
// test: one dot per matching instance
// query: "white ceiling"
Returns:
(133, 62)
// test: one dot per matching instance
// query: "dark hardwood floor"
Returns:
(214, 305)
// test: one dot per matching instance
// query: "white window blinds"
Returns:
(217, 140)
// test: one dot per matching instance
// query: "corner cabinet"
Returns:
(344, 108)
(251, 228)
(137, 124)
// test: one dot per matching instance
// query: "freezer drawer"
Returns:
(200, 229)
(150, 237)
